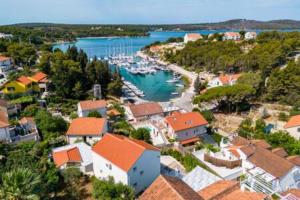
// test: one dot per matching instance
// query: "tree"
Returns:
(141, 134)
(110, 190)
(20, 184)
(94, 114)
(22, 54)
(197, 85)
(72, 180)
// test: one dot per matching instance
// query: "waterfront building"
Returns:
(231, 36)
(22, 85)
(129, 161)
(192, 37)
(293, 126)
(250, 35)
(224, 79)
(186, 127)
(4, 127)
(144, 111)
(77, 155)
(86, 129)
(85, 107)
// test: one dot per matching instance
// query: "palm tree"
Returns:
(19, 184)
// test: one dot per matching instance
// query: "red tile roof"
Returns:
(39, 77)
(121, 151)
(86, 126)
(145, 109)
(232, 34)
(113, 112)
(295, 192)
(169, 188)
(4, 58)
(294, 159)
(261, 143)
(3, 119)
(194, 36)
(280, 152)
(66, 156)
(226, 79)
(24, 80)
(26, 120)
(244, 195)
(270, 162)
(183, 121)
(92, 104)
(190, 140)
(240, 141)
(293, 122)
(218, 189)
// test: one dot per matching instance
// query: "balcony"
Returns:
(218, 159)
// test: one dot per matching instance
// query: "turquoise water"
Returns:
(154, 86)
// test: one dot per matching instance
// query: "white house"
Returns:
(4, 127)
(74, 155)
(293, 127)
(250, 35)
(186, 127)
(266, 170)
(5, 64)
(192, 37)
(224, 79)
(85, 107)
(128, 161)
(231, 36)
(143, 111)
(87, 129)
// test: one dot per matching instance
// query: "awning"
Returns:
(191, 140)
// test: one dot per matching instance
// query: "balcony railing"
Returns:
(222, 163)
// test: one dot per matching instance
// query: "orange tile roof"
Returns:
(235, 152)
(232, 34)
(26, 120)
(92, 104)
(3, 119)
(169, 188)
(121, 151)
(261, 143)
(294, 159)
(183, 121)
(145, 109)
(86, 126)
(39, 77)
(293, 122)
(225, 79)
(244, 195)
(66, 156)
(280, 152)
(4, 58)
(295, 192)
(24, 80)
(240, 141)
(194, 36)
(113, 112)
(218, 189)
(270, 162)
(190, 140)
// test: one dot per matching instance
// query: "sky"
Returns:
(144, 11)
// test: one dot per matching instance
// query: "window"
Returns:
(134, 169)
(141, 172)
(11, 89)
(135, 184)
(298, 129)
(90, 137)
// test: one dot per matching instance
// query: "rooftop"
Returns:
(294, 159)
(39, 77)
(145, 109)
(3, 119)
(121, 151)
(24, 80)
(26, 120)
(293, 122)
(182, 121)
(169, 188)
(87, 126)
(4, 58)
(226, 79)
(92, 104)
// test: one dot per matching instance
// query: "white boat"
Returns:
(174, 93)
(172, 81)
(179, 85)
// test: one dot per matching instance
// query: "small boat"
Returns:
(174, 93)
(172, 81)
(179, 85)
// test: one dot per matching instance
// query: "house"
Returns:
(231, 36)
(5, 64)
(28, 126)
(41, 79)
(229, 190)
(186, 127)
(223, 80)
(250, 35)
(169, 188)
(87, 129)
(192, 37)
(11, 109)
(85, 107)
(22, 85)
(293, 126)
(144, 111)
(74, 155)
(266, 170)
(128, 161)
(4, 127)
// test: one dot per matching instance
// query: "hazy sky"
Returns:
(144, 11)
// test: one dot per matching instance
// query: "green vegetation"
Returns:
(251, 130)
(141, 134)
(110, 190)
(94, 114)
